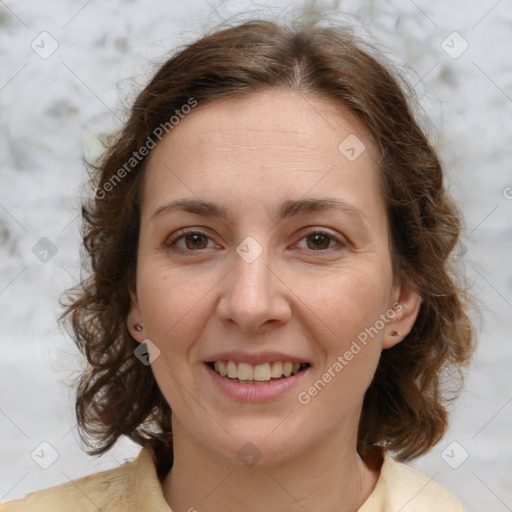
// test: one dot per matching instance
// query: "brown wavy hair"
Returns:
(405, 407)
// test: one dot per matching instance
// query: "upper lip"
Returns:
(255, 358)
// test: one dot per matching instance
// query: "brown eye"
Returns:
(188, 241)
(195, 241)
(319, 241)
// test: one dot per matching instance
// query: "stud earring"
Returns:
(394, 333)
(138, 327)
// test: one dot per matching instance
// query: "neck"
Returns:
(328, 477)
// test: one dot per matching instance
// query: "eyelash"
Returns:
(183, 233)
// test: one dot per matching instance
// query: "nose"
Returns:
(255, 299)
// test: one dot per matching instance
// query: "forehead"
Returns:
(293, 117)
(285, 141)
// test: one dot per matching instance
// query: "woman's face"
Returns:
(263, 249)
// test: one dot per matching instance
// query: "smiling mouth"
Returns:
(264, 373)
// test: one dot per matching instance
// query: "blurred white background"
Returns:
(56, 101)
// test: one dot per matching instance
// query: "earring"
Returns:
(138, 327)
(394, 333)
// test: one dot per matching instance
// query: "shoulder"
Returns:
(403, 488)
(107, 491)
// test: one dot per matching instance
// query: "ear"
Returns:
(134, 319)
(406, 308)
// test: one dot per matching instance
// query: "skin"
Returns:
(250, 154)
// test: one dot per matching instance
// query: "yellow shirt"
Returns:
(134, 486)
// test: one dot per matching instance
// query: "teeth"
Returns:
(245, 371)
(232, 370)
(256, 373)
(277, 370)
(262, 372)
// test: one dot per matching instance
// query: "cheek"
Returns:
(173, 304)
(348, 301)
(351, 303)
(175, 310)
(351, 350)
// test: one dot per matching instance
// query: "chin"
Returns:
(252, 444)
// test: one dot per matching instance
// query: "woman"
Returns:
(269, 245)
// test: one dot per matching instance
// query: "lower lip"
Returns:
(255, 392)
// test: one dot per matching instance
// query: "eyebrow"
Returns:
(288, 208)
